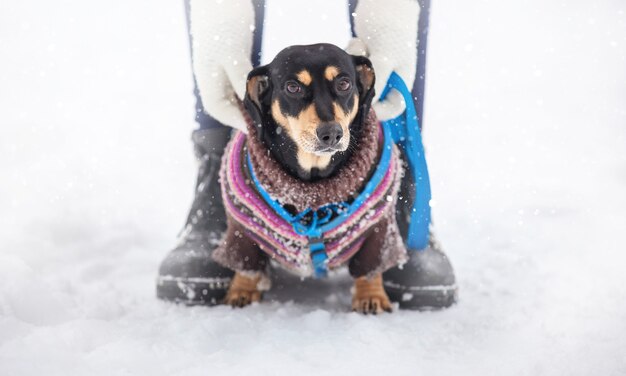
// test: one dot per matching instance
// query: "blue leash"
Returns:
(404, 131)
(406, 134)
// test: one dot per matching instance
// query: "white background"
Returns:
(525, 128)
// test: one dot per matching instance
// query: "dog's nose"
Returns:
(329, 134)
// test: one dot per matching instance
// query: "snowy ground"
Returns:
(526, 134)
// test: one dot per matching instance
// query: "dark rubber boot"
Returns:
(427, 280)
(188, 274)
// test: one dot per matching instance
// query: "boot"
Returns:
(188, 274)
(427, 280)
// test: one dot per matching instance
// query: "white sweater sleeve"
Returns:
(388, 30)
(221, 34)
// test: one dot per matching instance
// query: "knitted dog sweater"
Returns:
(277, 237)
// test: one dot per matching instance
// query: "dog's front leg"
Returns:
(369, 296)
(240, 253)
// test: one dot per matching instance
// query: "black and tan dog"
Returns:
(310, 110)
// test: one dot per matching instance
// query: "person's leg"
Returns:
(257, 38)
(427, 280)
(188, 274)
(420, 73)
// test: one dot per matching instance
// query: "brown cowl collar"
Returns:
(342, 186)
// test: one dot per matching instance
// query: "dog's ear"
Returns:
(258, 96)
(366, 79)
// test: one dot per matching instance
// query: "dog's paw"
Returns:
(369, 296)
(242, 298)
(244, 290)
(372, 305)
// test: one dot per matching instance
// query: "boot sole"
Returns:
(192, 291)
(212, 291)
(422, 298)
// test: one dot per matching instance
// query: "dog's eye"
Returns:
(344, 84)
(293, 87)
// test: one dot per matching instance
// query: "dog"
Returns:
(312, 141)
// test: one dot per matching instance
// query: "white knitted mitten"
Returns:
(221, 33)
(387, 34)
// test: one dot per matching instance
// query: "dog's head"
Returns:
(308, 105)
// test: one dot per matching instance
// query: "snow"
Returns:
(526, 141)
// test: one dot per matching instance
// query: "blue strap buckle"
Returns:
(318, 257)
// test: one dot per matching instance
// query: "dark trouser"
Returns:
(206, 121)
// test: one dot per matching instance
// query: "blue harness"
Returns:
(403, 131)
